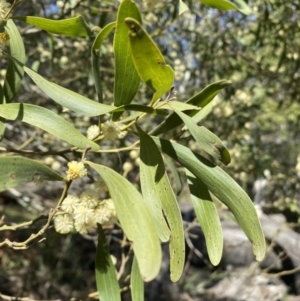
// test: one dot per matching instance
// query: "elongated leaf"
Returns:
(130, 117)
(224, 188)
(220, 4)
(203, 113)
(201, 100)
(96, 57)
(148, 60)
(2, 120)
(136, 283)
(103, 33)
(127, 80)
(159, 195)
(19, 170)
(68, 98)
(208, 218)
(206, 139)
(135, 219)
(47, 121)
(140, 108)
(178, 105)
(182, 7)
(106, 278)
(176, 178)
(2, 128)
(227, 5)
(96, 74)
(152, 172)
(72, 27)
(15, 72)
(243, 7)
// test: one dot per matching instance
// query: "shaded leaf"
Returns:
(72, 27)
(148, 60)
(158, 194)
(208, 218)
(19, 170)
(106, 277)
(224, 188)
(176, 178)
(127, 80)
(47, 121)
(200, 100)
(15, 72)
(140, 108)
(136, 283)
(96, 75)
(2, 120)
(68, 98)
(135, 219)
(206, 139)
(152, 172)
(96, 57)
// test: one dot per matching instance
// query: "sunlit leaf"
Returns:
(135, 219)
(200, 100)
(223, 187)
(136, 283)
(203, 113)
(227, 5)
(72, 27)
(206, 139)
(148, 60)
(243, 7)
(182, 7)
(220, 4)
(127, 80)
(103, 33)
(208, 218)
(106, 277)
(178, 105)
(67, 98)
(19, 170)
(47, 121)
(159, 195)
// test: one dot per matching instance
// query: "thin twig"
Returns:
(25, 244)
(283, 273)
(10, 298)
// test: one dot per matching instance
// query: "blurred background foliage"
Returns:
(258, 116)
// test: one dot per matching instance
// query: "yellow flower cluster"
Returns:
(76, 170)
(4, 38)
(84, 212)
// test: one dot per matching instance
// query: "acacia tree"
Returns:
(150, 214)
